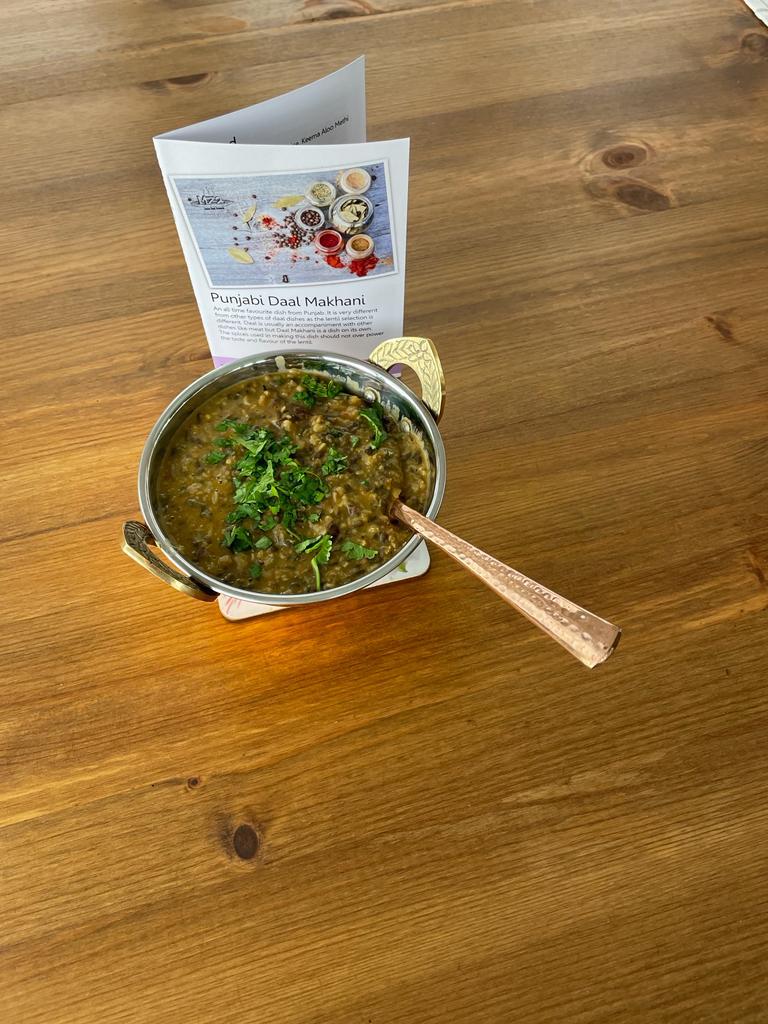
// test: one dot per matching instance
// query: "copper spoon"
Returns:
(581, 633)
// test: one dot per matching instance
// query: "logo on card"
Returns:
(207, 201)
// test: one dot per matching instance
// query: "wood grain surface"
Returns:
(406, 807)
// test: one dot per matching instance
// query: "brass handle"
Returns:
(582, 634)
(136, 540)
(421, 355)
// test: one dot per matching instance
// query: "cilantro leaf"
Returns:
(237, 538)
(335, 462)
(372, 413)
(310, 544)
(320, 549)
(254, 446)
(255, 570)
(323, 553)
(214, 457)
(263, 543)
(317, 387)
(323, 387)
(355, 440)
(305, 397)
(357, 551)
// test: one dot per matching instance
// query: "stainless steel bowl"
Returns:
(368, 379)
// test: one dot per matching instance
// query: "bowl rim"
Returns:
(157, 433)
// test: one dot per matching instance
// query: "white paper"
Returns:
(259, 279)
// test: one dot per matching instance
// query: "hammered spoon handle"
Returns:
(582, 634)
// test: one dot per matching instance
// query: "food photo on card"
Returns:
(289, 228)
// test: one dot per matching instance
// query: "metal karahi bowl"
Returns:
(369, 379)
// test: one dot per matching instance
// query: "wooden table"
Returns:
(407, 807)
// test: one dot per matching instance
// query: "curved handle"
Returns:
(582, 634)
(136, 540)
(421, 355)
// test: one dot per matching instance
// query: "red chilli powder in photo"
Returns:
(334, 261)
(361, 267)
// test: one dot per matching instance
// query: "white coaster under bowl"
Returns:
(234, 609)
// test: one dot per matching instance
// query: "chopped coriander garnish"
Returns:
(305, 397)
(372, 413)
(263, 543)
(357, 551)
(335, 462)
(313, 517)
(320, 549)
(355, 440)
(309, 544)
(214, 457)
(270, 487)
(317, 387)
(255, 570)
(237, 538)
(254, 446)
(323, 387)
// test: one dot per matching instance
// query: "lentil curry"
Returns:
(283, 484)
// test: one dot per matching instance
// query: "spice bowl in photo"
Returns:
(355, 181)
(350, 214)
(360, 247)
(328, 242)
(311, 217)
(321, 193)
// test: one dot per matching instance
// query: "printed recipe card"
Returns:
(292, 225)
